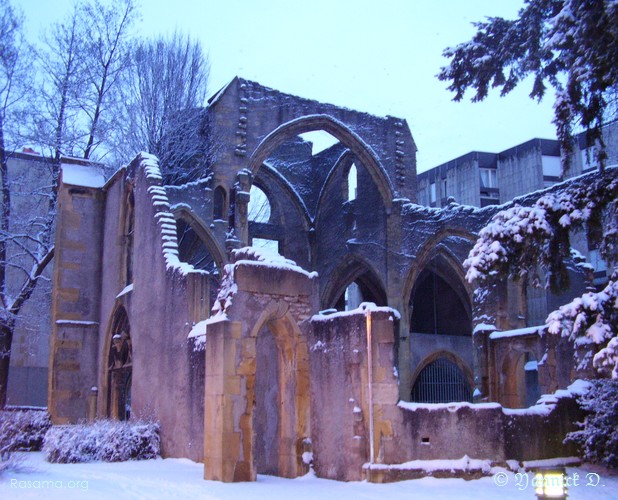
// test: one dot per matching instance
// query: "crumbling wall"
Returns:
(403, 432)
(258, 296)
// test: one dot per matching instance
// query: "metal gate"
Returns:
(441, 381)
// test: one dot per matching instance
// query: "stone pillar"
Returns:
(394, 290)
(241, 222)
(227, 437)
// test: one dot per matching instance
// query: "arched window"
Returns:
(352, 183)
(441, 381)
(437, 307)
(120, 368)
(259, 206)
(129, 229)
(192, 250)
(218, 209)
(364, 288)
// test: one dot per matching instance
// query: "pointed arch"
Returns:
(118, 367)
(436, 255)
(354, 269)
(442, 377)
(338, 130)
(203, 234)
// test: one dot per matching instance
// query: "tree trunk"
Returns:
(6, 339)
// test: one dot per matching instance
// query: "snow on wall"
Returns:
(165, 219)
(544, 406)
(82, 175)
(263, 257)
(361, 309)
(530, 330)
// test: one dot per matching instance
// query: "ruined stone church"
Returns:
(352, 350)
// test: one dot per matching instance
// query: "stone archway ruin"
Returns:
(262, 301)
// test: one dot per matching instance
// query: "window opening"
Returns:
(218, 211)
(259, 209)
(352, 182)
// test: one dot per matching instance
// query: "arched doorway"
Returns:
(280, 407)
(120, 368)
(267, 407)
(519, 380)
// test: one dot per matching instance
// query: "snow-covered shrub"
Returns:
(598, 438)
(103, 440)
(11, 463)
(23, 430)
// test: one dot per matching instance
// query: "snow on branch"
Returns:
(519, 239)
(591, 320)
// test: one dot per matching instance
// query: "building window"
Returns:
(489, 178)
(129, 232)
(352, 184)
(444, 191)
(588, 161)
(552, 170)
(432, 193)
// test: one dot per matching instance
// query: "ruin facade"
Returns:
(332, 354)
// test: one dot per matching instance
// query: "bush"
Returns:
(22, 430)
(598, 438)
(103, 440)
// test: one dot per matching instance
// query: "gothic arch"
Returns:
(268, 175)
(449, 357)
(338, 130)
(432, 248)
(203, 234)
(118, 366)
(436, 256)
(353, 269)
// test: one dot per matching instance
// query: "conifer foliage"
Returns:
(568, 45)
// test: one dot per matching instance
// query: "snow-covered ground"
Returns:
(181, 478)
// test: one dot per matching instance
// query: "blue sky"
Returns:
(375, 56)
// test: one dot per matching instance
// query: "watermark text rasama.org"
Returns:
(49, 485)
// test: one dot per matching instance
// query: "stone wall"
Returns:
(75, 304)
(410, 431)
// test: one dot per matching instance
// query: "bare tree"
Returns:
(69, 111)
(165, 92)
(107, 57)
(60, 79)
(22, 255)
(81, 65)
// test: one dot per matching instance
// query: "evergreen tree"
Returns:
(569, 45)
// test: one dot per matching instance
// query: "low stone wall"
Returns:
(405, 432)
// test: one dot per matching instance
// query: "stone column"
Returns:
(224, 404)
